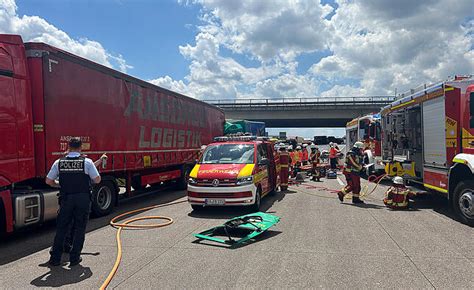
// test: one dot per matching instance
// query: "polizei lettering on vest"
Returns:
(168, 138)
(71, 165)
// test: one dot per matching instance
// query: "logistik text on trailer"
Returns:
(160, 109)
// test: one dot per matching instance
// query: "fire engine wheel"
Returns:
(464, 201)
(258, 199)
(103, 198)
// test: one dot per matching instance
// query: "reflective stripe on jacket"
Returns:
(397, 197)
(352, 163)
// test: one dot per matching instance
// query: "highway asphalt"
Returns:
(319, 243)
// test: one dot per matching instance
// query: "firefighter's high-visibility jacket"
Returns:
(397, 197)
(314, 157)
(298, 156)
(352, 163)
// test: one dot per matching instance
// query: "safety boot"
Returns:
(340, 195)
(357, 200)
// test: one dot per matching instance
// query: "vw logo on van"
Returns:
(215, 182)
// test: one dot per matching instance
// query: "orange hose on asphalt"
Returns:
(371, 179)
(127, 224)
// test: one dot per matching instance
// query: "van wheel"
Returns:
(464, 201)
(196, 207)
(3, 220)
(273, 192)
(103, 198)
(182, 183)
(258, 198)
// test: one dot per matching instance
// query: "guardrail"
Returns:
(334, 101)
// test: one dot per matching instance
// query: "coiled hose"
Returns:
(128, 224)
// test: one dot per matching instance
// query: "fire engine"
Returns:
(429, 139)
(368, 130)
(234, 171)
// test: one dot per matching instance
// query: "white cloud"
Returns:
(376, 47)
(270, 29)
(399, 44)
(36, 29)
(270, 33)
(169, 83)
(343, 91)
(286, 86)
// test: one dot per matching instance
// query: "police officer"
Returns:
(75, 174)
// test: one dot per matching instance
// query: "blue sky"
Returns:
(125, 27)
(241, 49)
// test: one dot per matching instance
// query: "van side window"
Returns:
(471, 109)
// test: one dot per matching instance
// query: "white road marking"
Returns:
(340, 181)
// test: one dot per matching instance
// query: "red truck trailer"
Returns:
(48, 95)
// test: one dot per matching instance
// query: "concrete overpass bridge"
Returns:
(302, 112)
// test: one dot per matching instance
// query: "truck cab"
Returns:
(234, 171)
(461, 173)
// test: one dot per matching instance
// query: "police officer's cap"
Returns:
(75, 143)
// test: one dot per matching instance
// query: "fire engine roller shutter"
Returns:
(434, 132)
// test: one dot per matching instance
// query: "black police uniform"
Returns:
(74, 206)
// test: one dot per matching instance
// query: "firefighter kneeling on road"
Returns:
(352, 168)
(397, 196)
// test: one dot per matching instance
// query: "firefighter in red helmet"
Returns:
(352, 168)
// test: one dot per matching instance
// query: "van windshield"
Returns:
(228, 154)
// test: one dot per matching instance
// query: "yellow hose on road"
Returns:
(127, 224)
(379, 179)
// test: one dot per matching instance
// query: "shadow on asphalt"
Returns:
(365, 205)
(60, 276)
(436, 202)
(229, 212)
(35, 239)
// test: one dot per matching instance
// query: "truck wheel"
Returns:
(464, 201)
(103, 198)
(258, 198)
(182, 183)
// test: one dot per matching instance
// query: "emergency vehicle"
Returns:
(429, 139)
(234, 171)
(367, 129)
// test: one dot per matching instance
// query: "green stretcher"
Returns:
(243, 228)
